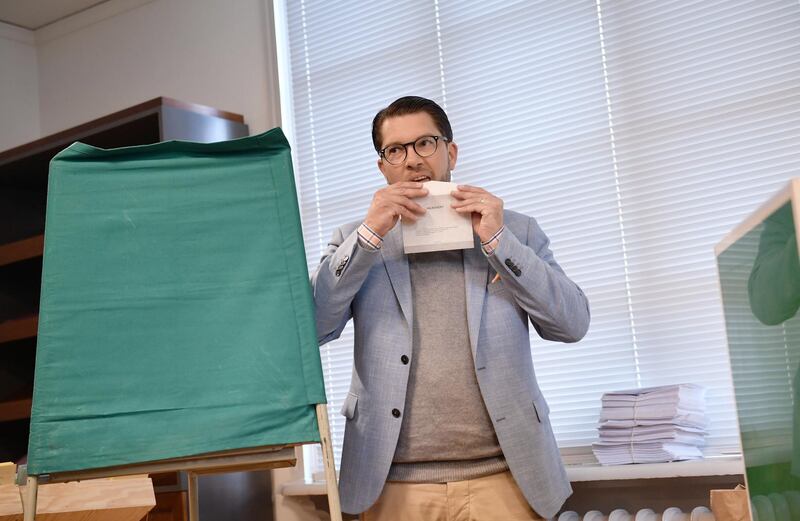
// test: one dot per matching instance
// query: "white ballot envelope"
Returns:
(441, 228)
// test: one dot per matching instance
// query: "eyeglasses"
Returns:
(424, 146)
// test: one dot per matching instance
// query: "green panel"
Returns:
(176, 314)
(760, 281)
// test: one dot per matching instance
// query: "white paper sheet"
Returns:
(441, 228)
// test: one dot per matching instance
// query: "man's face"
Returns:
(403, 129)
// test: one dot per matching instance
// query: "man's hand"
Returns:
(393, 201)
(486, 209)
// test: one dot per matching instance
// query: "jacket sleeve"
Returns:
(557, 307)
(340, 274)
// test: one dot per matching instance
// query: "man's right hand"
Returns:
(393, 201)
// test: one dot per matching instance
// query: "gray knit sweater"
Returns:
(446, 434)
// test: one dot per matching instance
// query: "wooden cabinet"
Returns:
(23, 196)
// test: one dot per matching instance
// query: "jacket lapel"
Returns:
(476, 272)
(396, 264)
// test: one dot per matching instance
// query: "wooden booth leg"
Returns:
(194, 502)
(327, 458)
(29, 502)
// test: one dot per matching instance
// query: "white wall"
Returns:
(19, 87)
(123, 52)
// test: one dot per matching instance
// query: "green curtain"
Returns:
(176, 314)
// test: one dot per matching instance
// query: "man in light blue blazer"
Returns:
(445, 419)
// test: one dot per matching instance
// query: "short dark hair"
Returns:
(411, 105)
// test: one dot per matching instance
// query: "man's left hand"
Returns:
(486, 209)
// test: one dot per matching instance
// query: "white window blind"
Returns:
(706, 104)
(637, 133)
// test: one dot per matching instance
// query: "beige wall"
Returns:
(19, 87)
(212, 52)
(122, 52)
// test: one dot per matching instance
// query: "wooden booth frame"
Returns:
(257, 458)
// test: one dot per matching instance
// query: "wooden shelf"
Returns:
(15, 409)
(154, 105)
(21, 250)
(19, 328)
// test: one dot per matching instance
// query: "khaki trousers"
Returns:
(489, 498)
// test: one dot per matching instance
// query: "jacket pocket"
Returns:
(349, 406)
(540, 408)
(496, 287)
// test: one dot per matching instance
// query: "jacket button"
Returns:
(509, 263)
(396, 413)
(404, 359)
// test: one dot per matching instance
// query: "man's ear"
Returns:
(452, 156)
(381, 167)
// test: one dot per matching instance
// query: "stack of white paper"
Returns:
(652, 425)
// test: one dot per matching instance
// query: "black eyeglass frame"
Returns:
(382, 152)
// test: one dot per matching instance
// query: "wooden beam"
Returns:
(258, 458)
(327, 456)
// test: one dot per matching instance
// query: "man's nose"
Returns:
(412, 158)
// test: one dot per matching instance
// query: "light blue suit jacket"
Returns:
(374, 289)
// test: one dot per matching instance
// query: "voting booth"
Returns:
(176, 327)
(760, 282)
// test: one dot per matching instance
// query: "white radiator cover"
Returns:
(773, 507)
(646, 514)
